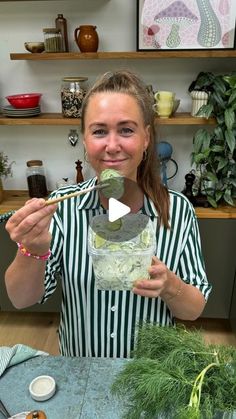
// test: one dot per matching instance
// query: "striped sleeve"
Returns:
(191, 266)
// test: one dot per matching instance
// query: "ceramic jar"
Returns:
(199, 98)
(86, 38)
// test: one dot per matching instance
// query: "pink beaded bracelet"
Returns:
(25, 252)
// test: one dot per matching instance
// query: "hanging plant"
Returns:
(214, 152)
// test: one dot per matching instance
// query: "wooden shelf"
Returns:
(42, 119)
(130, 55)
(58, 119)
(13, 200)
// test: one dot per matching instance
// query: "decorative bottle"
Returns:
(61, 24)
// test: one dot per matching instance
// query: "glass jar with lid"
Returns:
(73, 91)
(36, 179)
(53, 41)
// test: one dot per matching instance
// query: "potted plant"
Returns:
(214, 151)
(5, 170)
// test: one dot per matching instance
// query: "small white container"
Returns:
(199, 98)
(118, 258)
(42, 388)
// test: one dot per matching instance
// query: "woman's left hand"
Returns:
(158, 284)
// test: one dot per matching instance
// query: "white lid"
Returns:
(42, 388)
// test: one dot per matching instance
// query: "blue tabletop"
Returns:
(83, 387)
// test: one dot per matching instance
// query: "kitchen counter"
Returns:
(83, 387)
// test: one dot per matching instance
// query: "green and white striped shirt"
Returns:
(102, 323)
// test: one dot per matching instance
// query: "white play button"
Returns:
(116, 209)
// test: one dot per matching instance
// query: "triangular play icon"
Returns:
(116, 209)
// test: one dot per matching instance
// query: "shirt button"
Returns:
(113, 308)
(113, 335)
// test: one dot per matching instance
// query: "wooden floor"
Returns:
(40, 330)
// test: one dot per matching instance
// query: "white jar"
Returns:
(199, 98)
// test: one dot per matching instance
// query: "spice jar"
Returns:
(73, 90)
(53, 41)
(36, 179)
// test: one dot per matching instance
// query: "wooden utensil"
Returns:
(71, 195)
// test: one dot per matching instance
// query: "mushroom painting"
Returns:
(186, 24)
(176, 14)
(209, 34)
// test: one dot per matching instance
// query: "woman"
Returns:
(118, 129)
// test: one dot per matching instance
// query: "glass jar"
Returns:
(53, 41)
(36, 179)
(73, 91)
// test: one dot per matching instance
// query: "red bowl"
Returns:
(26, 100)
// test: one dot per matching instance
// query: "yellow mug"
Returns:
(163, 109)
(164, 103)
(164, 95)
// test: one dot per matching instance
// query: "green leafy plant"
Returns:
(214, 151)
(5, 166)
(175, 374)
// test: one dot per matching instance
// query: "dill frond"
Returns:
(174, 373)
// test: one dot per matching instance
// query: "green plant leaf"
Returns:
(205, 111)
(222, 163)
(219, 85)
(217, 148)
(201, 140)
(230, 139)
(232, 97)
(217, 97)
(219, 133)
(228, 197)
(198, 140)
(210, 176)
(212, 201)
(231, 80)
(218, 195)
(229, 118)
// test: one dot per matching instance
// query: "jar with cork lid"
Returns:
(36, 179)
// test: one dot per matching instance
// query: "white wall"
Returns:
(22, 21)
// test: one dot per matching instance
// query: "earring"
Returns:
(86, 156)
(145, 155)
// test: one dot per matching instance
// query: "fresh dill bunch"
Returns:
(174, 373)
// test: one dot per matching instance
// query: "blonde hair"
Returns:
(148, 177)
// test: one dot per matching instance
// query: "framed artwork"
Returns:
(185, 24)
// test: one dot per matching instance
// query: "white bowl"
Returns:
(42, 388)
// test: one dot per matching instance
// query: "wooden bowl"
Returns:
(34, 46)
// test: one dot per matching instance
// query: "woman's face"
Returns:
(115, 136)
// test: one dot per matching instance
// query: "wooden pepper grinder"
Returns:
(79, 177)
(36, 414)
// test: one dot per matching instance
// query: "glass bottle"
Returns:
(52, 40)
(73, 90)
(36, 179)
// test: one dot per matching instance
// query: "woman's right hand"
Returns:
(30, 226)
